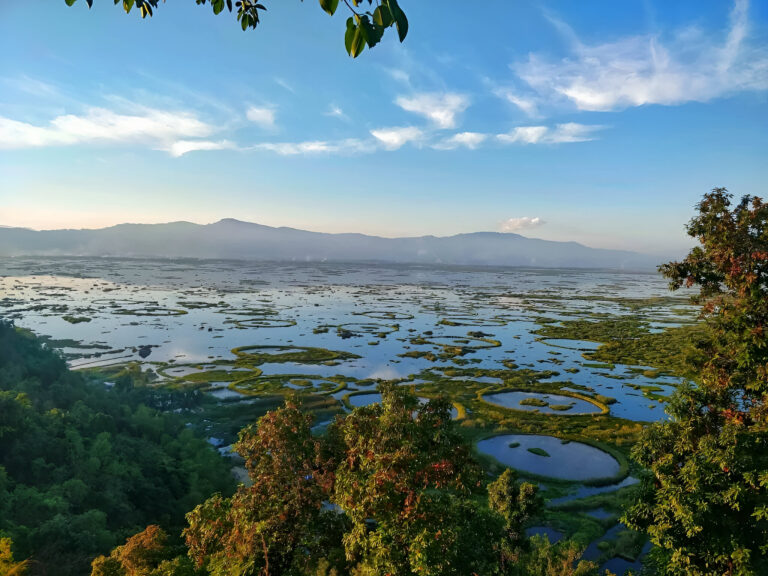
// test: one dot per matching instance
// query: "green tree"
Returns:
(516, 503)
(82, 466)
(278, 524)
(405, 483)
(705, 501)
(363, 27)
(144, 554)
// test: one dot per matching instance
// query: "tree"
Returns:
(9, 566)
(705, 502)
(405, 482)
(363, 28)
(272, 526)
(144, 554)
(516, 503)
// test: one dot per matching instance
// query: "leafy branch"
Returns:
(364, 27)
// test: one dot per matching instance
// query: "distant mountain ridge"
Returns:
(235, 239)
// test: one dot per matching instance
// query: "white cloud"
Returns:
(441, 109)
(526, 104)
(641, 70)
(514, 224)
(264, 117)
(335, 111)
(394, 138)
(312, 147)
(181, 147)
(283, 83)
(560, 134)
(400, 76)
(469, 140)
(524, 135)
(158, 128)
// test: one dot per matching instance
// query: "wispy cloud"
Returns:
(335, 111)
(471, 140)
(261, 116)
(156, 128)
(181, 147)
(32, 86)
(310, 147)
(440, 109)
(400, 76)
(522, 223)
(559, 134)
(525, 103)
(647, 69)
(394, 138)
(283, 83)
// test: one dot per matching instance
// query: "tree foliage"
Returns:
(391, 489)
(363, 27)
(705, 502)
(81, 466)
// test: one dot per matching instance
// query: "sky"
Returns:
(598, 122)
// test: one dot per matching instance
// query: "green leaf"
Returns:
(127, 5)
(382, 17)
(354, 38)
(371, 33)
(401, 22)
(329, 6)
(70, 2)
(218, 6)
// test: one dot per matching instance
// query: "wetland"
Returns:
(551, 372)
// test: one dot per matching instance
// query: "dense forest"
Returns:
(83, 466)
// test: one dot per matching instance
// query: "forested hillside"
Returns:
(83, 466)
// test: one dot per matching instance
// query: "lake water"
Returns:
(195, 312)
(566, 461)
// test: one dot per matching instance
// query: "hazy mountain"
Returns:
(234, 239)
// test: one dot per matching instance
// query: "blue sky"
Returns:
(598, 122)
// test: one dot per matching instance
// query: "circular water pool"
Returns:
(566, 461)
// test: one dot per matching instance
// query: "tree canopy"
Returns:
(83, 466)
(705, 500)
(364, 27)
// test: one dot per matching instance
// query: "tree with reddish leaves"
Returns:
(704, 502)
(405, 483)
(277, 524)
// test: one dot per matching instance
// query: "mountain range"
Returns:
(234, 239)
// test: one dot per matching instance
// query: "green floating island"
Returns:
(539, 452)
(513, 444)
(75, 319)
(533, 402)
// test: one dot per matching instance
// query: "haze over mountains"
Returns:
(234, 239)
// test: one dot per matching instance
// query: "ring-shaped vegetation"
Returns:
(198, 304)
(385, 315)
(281, 384)
(558, 409)
(248, 356)
(247, 311)
(149, 311)
(358, 328)
(471, 342)
(472, 321)
(262, 323)
(123, 302)
(203, 377)
(448, 310)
